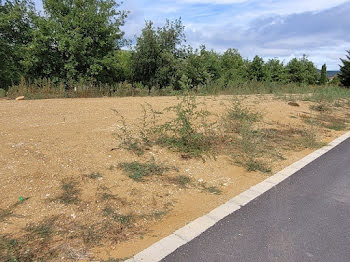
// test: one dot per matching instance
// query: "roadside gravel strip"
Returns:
(168, 245)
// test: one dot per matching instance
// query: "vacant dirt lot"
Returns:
(65, 196)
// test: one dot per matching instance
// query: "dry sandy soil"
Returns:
(63, 196)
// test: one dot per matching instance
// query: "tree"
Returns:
(157, 54)
(16, 33)
(256, 69)
(324, 78)
(275, 71)
(302, 71)
(76, 40)
(344, 74)
(234, 68)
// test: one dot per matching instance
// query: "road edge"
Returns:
(169, 244)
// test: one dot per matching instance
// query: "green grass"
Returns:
(138, 171)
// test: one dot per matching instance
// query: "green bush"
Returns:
(2, 92)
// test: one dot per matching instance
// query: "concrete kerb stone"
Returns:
(223, 211)
(195, 228)
(263, 187)
(160, 249)
(166, 246)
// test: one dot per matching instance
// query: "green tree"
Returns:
(15, 34)
(344, 74)
(256, 69)
(76, 40)
(324, 78)
(157, 54)
(275, 71)
(234, 68)
(302, 71)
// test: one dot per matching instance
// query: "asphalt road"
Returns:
(304, 218)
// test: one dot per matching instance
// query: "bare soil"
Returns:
(63, 196)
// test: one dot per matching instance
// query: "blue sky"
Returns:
(268, 28)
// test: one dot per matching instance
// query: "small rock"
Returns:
(20, 98)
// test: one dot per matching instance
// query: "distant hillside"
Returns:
(332, 73)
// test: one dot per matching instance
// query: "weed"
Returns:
(190, 132)
(211, 189)
(309, 139)
(43, 230)
(257, 165)
(181, 180)
(123, 219)
(137, 171)
(95, 176)
(9, 212)
(319, 108)
(70, 192)
(238, 116)
(337, 125)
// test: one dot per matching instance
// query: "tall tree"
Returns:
(77, 40)
(302, 71)
(157, 53)
(324, 78)
(256, 69)
(16, 33)
(275, 71)
(344, 75)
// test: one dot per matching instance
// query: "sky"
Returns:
(269, 28)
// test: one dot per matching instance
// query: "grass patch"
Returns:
(319, 108)
(138, 171)
(211, 189)
(337, 125)
(123, 219)
(70, 192)
(182, 181)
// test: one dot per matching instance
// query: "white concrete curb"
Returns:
(169, 244)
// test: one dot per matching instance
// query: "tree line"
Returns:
(82, 41)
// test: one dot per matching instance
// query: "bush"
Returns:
(2, 92)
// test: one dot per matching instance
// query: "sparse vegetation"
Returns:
(138, 171)
(182, 180)
(211, 189)
(70, 192)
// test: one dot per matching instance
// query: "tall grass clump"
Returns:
(190, 131)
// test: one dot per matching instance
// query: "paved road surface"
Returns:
(305, 218)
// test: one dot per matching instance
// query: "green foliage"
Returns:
(302, 71)
(2, 92)
(189, 132)
(155, 60)
(137, 171)
(256, 69)
(16, 33)
(324, 79)
(181, 180)
(344, 75)
(76, 40)
(275, 71)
